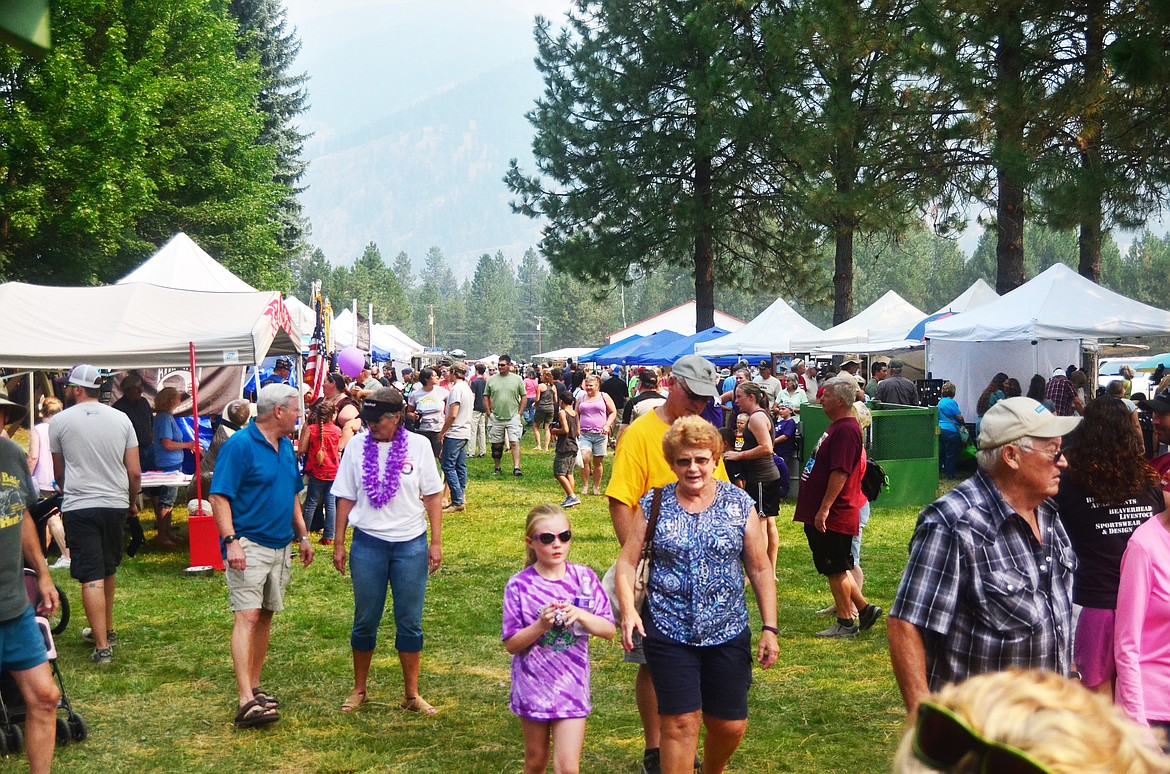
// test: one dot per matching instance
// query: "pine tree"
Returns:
(264, 33)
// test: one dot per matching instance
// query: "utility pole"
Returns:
(431, 319)
(539, 338)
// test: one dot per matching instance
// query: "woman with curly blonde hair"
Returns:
(1026, 721)
(1106, 492)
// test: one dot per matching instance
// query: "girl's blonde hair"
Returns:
(1055, 720)
(540, 513)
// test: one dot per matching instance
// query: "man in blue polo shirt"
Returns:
(254, 501)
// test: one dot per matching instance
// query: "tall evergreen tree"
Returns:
(497, 314)
(264, 34)
(653, 148)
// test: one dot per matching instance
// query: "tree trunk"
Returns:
(1010, 120)
(1090, 149)
(704, 250)
(843, 271)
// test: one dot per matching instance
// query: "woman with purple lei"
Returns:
(388, 488)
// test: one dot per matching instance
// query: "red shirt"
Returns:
(1161, 464)
(323, 439)
(840, 448)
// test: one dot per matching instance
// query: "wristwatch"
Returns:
(302, 538)
(228, 540)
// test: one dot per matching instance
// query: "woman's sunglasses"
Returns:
(942, 739)
(548, 537)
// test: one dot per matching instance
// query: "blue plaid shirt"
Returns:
(983, 592)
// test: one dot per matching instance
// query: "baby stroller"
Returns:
(70, 728)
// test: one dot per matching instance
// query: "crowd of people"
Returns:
(1051, 559)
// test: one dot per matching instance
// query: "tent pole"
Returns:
(198, 445)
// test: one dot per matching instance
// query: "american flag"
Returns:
(318, 365)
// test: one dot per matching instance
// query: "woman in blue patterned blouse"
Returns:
(695, 621)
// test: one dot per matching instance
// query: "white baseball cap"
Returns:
(84, 376)
(1011, 419)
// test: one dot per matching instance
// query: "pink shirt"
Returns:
(530, 388)
(1141, 639)
(593, 412)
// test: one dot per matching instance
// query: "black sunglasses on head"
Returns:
(548, 537)
(942, 739)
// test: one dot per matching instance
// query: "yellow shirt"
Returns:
(639, 464)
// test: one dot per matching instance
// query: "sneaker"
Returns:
(87, 636)
(325, 542)
(496, 472)
(454, 508)
(651, 762)
(868, 617)
(838, 632)
(102, 655)
(61, 564)
(517, 472)
(570, 501)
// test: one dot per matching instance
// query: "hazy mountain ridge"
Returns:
(431, 174)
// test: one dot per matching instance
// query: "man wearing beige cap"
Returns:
(989, 582)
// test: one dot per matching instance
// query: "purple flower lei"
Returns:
(382, 486)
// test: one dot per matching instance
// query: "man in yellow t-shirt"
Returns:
(638, 466)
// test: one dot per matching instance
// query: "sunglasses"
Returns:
(548, 537)
(942, 739)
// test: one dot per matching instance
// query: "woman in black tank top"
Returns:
(760, 474)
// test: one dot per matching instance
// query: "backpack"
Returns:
(873, 480)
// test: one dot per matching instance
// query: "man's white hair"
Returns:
(843, 387)
(274, 395)
(988, 459)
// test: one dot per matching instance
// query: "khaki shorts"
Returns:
(497, 429)
(261, 584)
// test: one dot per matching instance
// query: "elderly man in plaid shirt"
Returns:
(989, 581)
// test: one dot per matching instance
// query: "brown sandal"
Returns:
(255, 714)
(353, 701)
(418, 704)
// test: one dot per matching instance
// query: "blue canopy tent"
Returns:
(590, 357)
(622, 354)
(667, 354)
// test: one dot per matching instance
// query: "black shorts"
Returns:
(563, 464)
(95, 537)
(832, 551)
(714, 679)
(542, 418)
(433, 437)
(767, 496)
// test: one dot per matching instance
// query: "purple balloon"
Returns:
(351, 361)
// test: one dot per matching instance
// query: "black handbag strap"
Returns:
(655, 507)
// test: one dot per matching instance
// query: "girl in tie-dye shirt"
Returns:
(550, 609)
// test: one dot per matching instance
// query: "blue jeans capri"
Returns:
(22, 645)
(374, 565)
(594, 443)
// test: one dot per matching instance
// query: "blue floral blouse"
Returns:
(696, 579)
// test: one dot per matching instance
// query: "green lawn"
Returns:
(166, 702)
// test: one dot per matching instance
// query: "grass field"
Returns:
(167, 701)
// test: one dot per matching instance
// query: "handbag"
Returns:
(642, 572)
(964, 434)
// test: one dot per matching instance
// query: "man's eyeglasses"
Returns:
(942, 739)
(548, 537)
(1049, 453)
(690, 395)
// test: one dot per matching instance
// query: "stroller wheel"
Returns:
(60, 619)
(63, 734)
(77, 727)
(3, 744)
(15, 740)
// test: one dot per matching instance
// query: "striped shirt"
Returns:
(984, 593)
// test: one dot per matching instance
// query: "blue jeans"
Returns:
(950, 444)
(453, 460)
(320, 490)
(374, 563)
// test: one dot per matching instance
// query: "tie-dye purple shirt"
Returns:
(550, 679)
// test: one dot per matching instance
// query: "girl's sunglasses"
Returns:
(548, 537)
(942, 739)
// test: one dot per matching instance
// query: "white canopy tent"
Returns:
(136, 325)
(564, 353)
(181, 263)
(891, 311)
(304, 317)
(902, 338)
(772, 330)
(384, 338)
(1040, 325)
